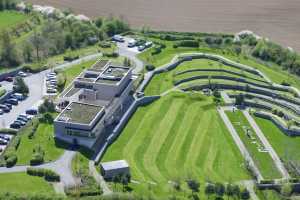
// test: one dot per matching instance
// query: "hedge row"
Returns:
(8, 131)
(33, 130)
(158, 48)
(46, 173)
(186, 43)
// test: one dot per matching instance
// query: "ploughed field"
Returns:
(276, 19)
(177, 137)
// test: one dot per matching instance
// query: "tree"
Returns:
(219, 189)
(239, 99)
(236, 191)
(20, 86)
(9, 55)
(27, 52)
(38, 43)
(245, 194)
(194, 185)
(99, 22)
(229, 190)
(209, 189)
(124, 181)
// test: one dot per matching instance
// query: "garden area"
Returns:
(255, 147)
(182, 130)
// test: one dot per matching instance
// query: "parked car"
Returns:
(20, 122)
(131, 43)
(8, 105)
(51, 78)
(3, 142)
(22, 74)
(9, 79)
(51, 74)
(50, 90)
(5, 108)
(4, 137)
(1, 112)
(12, 101)
(15, 126)
(141, 47)
(118, 38)
(18, 96)
(148, 44)
(32, 111)
(22, 119)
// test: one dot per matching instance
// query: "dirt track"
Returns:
(277, 19)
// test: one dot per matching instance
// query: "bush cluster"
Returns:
(38, 156)
(46, 173)
(47, 106)
(186, 43)
(158, 48)
(10, 157)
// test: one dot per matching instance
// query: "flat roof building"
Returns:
(95, 101)
(114, 168)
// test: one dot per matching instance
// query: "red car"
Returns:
(9, 79)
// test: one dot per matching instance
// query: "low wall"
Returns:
(277, 187)
(289, 132)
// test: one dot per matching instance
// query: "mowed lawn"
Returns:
(21, 183)
(44, 138)
(9, 19)
(178, 137)
(262, 160)
(285, 146)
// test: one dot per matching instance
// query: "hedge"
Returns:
(150, 67)
(46, 173)
(111, 55)
(8, 131)
(186, 43)
(11, 160)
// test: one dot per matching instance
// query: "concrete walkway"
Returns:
(250, 185)
(267, 145)
(238, 141)
(99, 179)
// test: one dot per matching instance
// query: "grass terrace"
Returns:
(286, 147)
(21, 183)
(80, 113)
(256, 149)
(178, 136)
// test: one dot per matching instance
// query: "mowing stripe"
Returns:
(165, 147)
(158, 137)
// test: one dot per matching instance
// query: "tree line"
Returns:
(56, 37)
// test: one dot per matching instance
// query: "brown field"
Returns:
(278, 20)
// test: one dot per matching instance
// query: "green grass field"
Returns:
(174, 138)
(42, 137)
(286, 147)
(21, 183)
(262, 160)
(10, 19)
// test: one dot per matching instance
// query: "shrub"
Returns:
(70, 58)
(156, 50)
(111, 55)
(11, 160)
(187, 43)
(150, 67)
(46, 173)
(33, 130)
(105, 45)
(37, 159)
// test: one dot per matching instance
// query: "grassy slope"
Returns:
(9, 19)
(262, 159)
(42, 137)
(178, 131)
(273, 71)
(22, 183)
(285, 146)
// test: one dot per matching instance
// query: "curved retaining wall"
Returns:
(228, 78)
(220, 70)
(289, 132)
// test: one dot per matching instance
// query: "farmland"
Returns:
(187, 134)
(277, 20)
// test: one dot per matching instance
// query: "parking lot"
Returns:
(34, 82)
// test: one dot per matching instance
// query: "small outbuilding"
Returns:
(114, 168)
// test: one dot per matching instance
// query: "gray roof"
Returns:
(118, 164)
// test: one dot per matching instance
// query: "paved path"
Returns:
(62, 166)
(238, 141)
(267, 145)
(99, 179)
